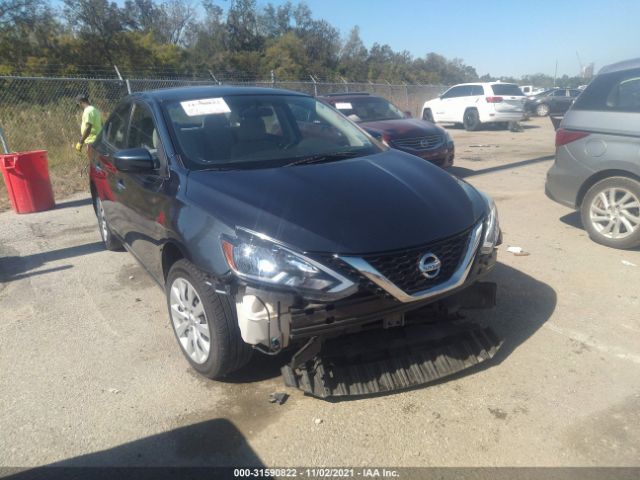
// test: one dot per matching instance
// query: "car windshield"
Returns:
(260, 131)
(369, 109)
(506, 89)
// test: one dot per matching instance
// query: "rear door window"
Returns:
(626, 95)
(616, 92)
(508, 89)
(459, 91)
(476, 90)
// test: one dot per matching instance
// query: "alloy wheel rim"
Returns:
(103, 221)
(615, 213)
(189, 320)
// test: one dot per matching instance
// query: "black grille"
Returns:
(401, 268)
(418, 143)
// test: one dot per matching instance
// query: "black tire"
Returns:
(471, 120)
(628, 184)
(108, 238)
(427, 115)
(542, 110)
(228, 352)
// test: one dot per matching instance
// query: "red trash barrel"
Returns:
(26, 175)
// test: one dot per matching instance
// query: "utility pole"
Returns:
(555, 74)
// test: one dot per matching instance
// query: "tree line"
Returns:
(175, 37)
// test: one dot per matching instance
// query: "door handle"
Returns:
(120, 185)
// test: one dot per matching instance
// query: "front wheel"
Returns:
(610, 212)
(471, 120)
(109, 240)
(204, 323)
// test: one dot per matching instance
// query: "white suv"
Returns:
(473, 104)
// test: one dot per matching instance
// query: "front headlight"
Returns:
(255, 257)
(491, 228)
(447, 136)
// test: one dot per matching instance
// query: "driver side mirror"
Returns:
(134, 160)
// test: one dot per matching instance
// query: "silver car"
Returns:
(597, 166)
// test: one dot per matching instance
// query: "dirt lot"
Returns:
(91, 373)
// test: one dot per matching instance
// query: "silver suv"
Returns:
(597, 166)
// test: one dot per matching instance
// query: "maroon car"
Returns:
(383, 120)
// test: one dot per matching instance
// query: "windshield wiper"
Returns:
(323, 157)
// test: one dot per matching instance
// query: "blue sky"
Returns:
(499, 37)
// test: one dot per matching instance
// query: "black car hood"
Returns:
(401, 128)
(382, 202)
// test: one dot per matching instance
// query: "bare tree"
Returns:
(16, 11)
(176, 18)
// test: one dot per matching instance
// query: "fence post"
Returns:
(214, 77)
(406, 94)
(126, 82)
(390, 89)
(3, 141)
(118, 72)
(273, 79)
(315, 86)
(346, 85)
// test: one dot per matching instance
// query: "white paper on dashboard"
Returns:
(343, 106)
(205, 106)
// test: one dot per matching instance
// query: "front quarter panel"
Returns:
(199, 232)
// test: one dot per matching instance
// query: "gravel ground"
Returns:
(90, 373)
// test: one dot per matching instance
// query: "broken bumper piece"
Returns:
(389, 360)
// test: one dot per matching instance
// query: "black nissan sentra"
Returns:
(273, 222)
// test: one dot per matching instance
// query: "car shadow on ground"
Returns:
(15, 267)
(524, 304)
(573, 220)
(462, 172)
(81, 202)
(211, 443)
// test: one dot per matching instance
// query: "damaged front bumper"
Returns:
(272, 320)
(353, 346)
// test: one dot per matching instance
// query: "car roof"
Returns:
(485, 83)
(338, 97)
(619, 66)
(191, 93)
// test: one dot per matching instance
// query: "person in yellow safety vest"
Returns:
(91, 122)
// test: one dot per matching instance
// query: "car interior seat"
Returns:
(218, 138)
(251, 135)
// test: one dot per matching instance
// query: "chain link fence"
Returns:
(40, 112)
